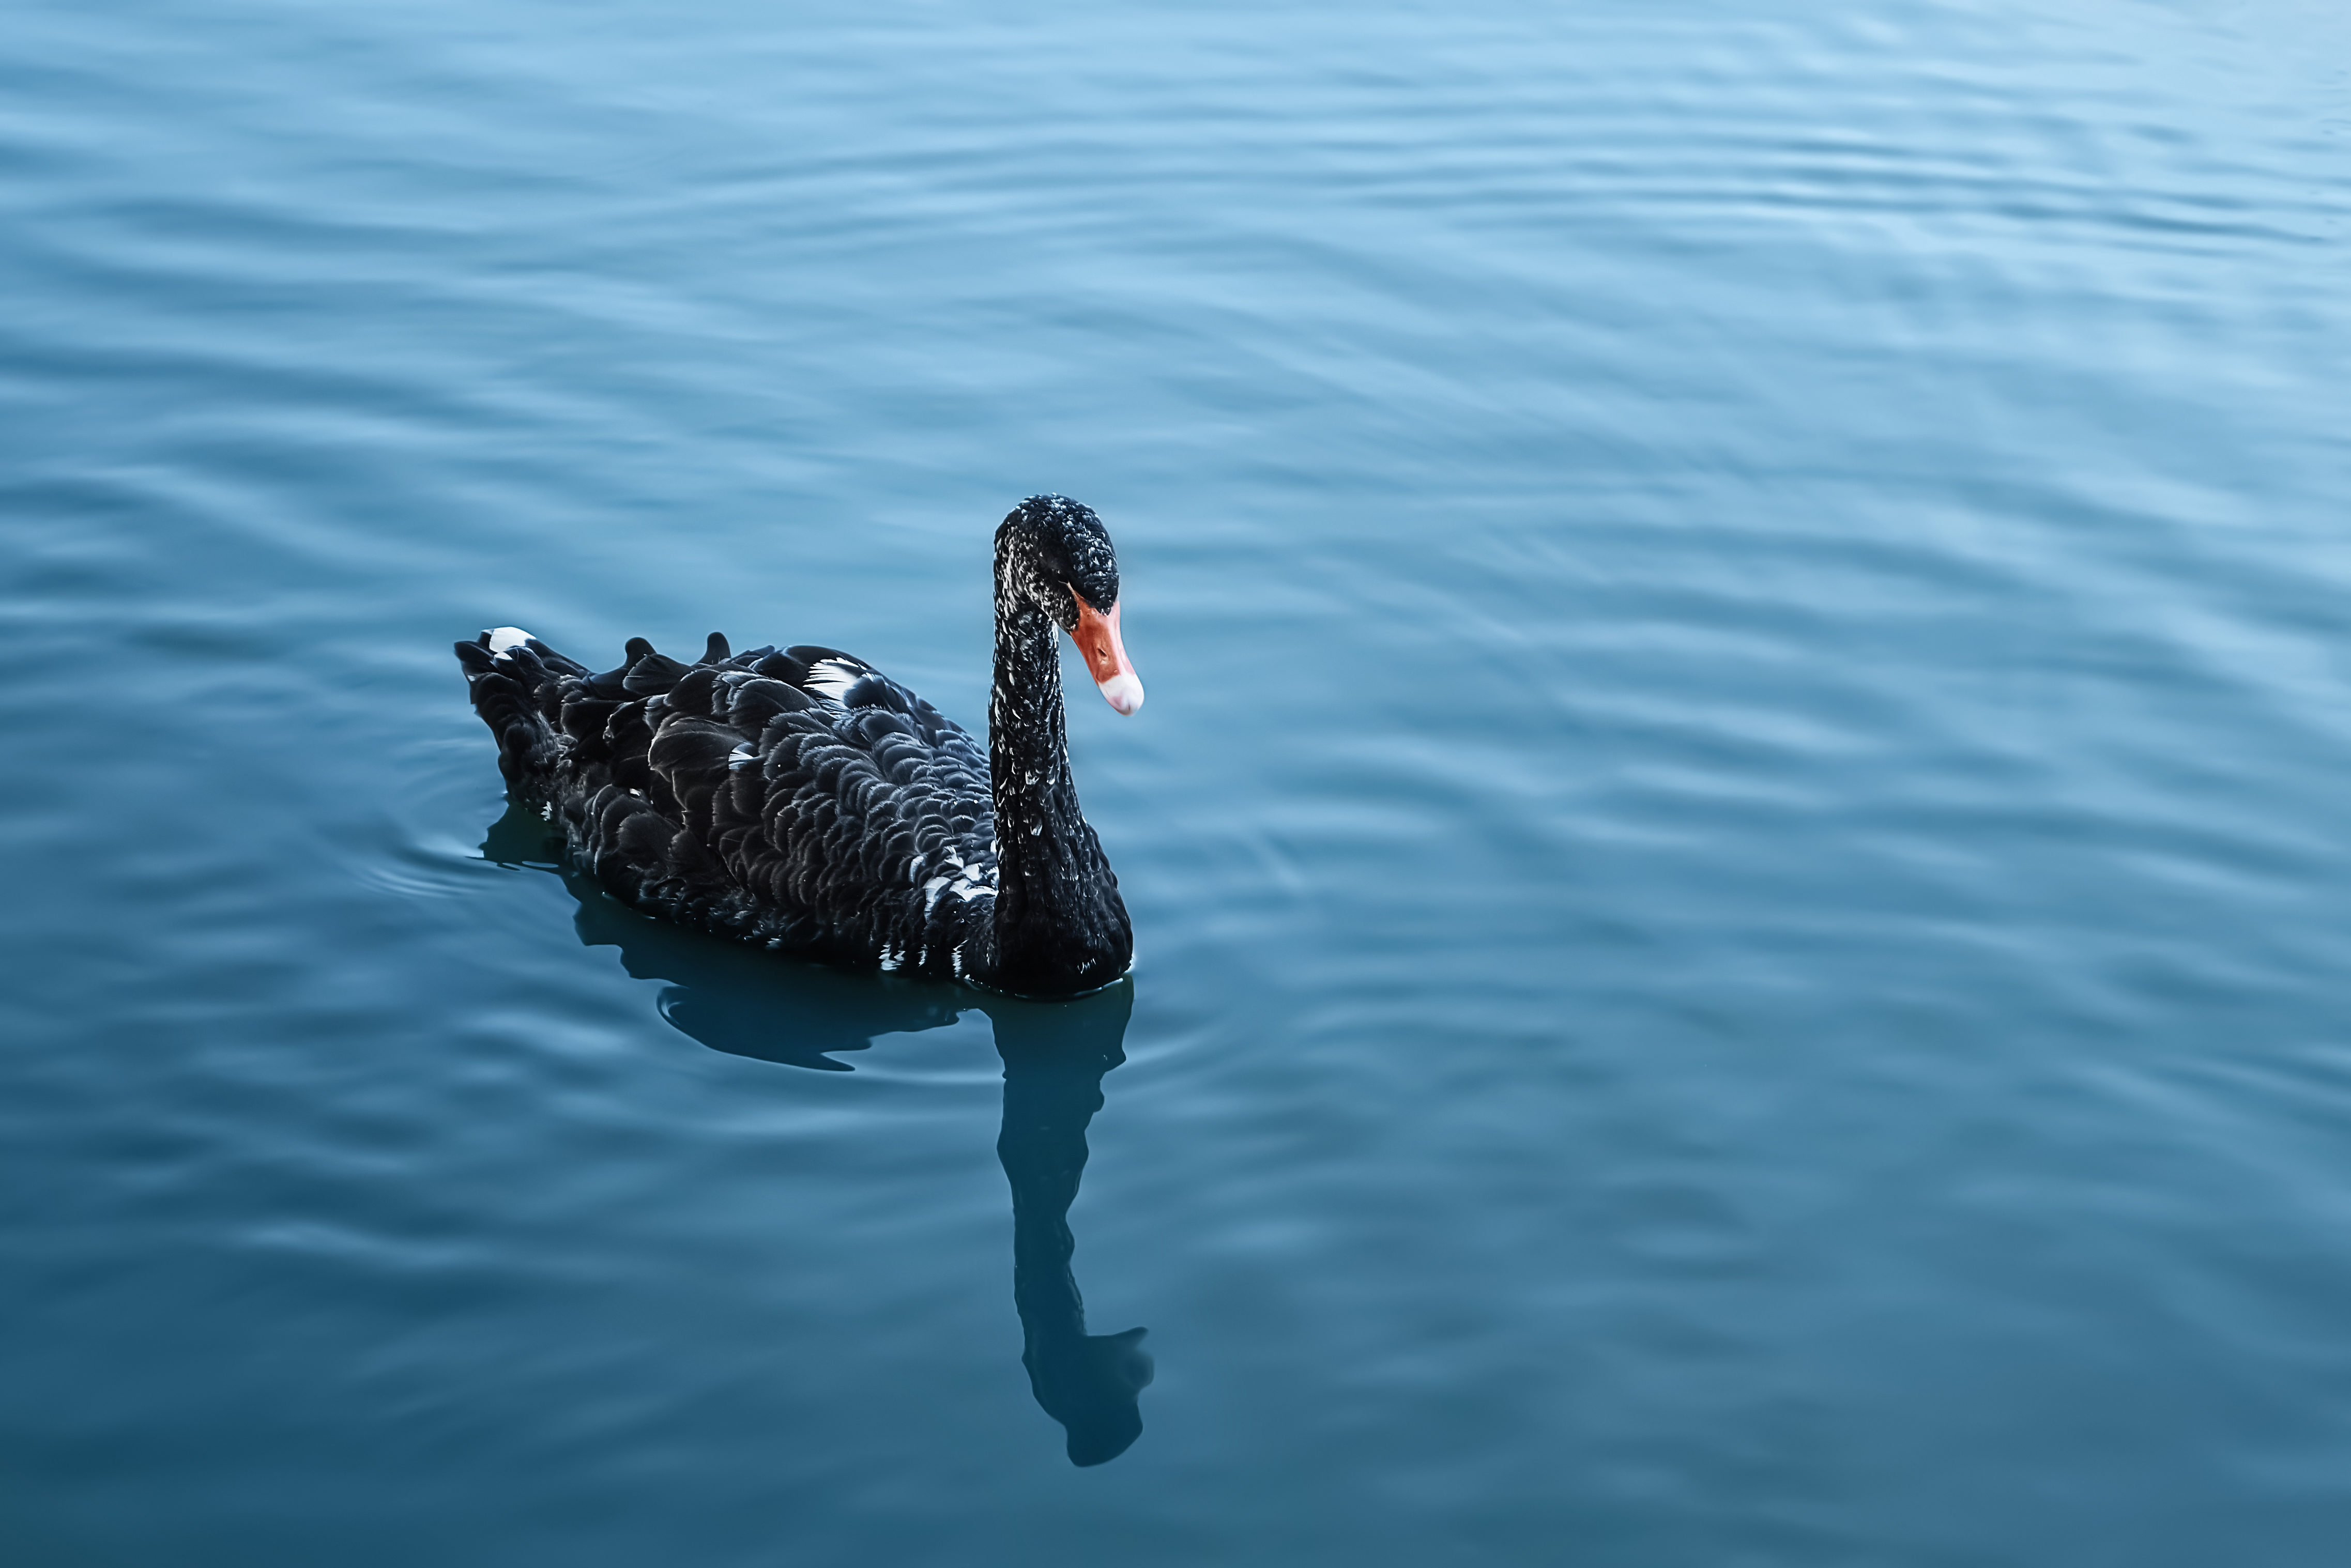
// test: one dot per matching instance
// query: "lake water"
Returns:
(1737, 850)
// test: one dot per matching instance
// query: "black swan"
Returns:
(804, 800)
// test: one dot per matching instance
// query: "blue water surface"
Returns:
(1737, 849)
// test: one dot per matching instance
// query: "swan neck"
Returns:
(1060, 927)
(1028, 739)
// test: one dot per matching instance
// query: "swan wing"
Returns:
(801, 799)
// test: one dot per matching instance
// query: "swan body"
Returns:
(801, 799)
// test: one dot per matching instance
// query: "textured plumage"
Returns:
(801, 799)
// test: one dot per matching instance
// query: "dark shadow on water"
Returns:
(1055, 1055)
(750, 1003)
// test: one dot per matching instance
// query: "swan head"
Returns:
(1057, 555)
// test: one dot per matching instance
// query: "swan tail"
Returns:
(513, 678)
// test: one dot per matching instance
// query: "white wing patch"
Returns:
(833, 678)
(740, 756)
(966, 881)
(504, 640)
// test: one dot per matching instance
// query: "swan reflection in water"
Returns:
(750, 1003)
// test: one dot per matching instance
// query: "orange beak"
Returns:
(1106, 655)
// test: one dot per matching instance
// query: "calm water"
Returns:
(1737, 852)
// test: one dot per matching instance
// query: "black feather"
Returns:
(652, 675)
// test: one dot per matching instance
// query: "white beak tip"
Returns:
(1122, 692)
